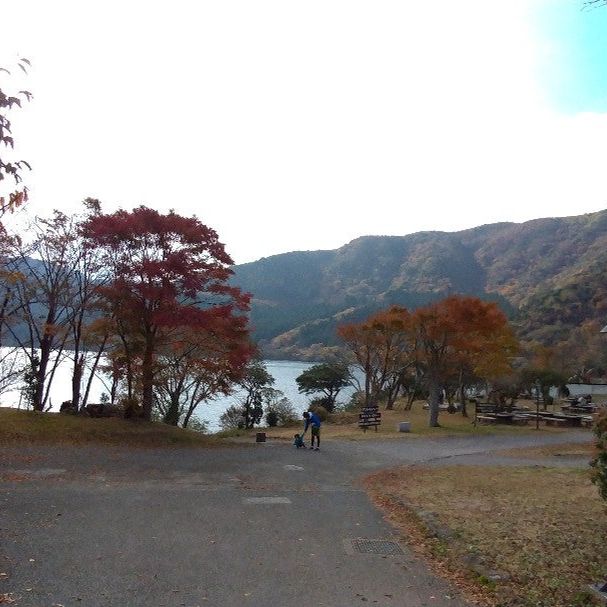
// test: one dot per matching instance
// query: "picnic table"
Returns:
(486, 413)
(573, 408)
(563, 419)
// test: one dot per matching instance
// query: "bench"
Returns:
(556, 421)
(587, 422)
(480, 414)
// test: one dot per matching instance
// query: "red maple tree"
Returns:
(168, 274)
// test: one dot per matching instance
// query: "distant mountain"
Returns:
(546, 274)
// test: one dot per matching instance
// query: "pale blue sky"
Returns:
(293, 125)
(573, 72)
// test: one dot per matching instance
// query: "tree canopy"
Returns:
(457, 336)
(166, 274)
(326, 378)
(11, 168)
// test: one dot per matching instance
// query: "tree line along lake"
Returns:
(284, 373)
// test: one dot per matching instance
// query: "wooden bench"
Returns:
(483, 414)
(587, 422)
(555, 421)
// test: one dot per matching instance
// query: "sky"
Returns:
(289, 125)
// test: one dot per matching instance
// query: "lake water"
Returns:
(284, 373)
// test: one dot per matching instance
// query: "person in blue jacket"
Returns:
(313, 421)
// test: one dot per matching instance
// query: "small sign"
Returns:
(369, 416)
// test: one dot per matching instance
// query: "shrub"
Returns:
(327, 403)
(67, 408)
(283, 409)
(599, 473)
(131, 407)
(198, 425)
(320, 411)
(232, 418)
(355, 402)
(271, 418)
(342, 418)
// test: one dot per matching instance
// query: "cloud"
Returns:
(302, 125)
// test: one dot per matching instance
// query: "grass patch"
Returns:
(510, 536)
(345, 426)
(573, 450)
(32, 427)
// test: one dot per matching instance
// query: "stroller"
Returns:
(298, 441)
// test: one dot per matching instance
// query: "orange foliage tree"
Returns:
(383, 350)
(461, 331)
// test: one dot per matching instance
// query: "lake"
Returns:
(284, 373)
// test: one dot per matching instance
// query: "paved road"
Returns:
(256, 525)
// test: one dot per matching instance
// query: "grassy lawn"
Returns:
(31, 427)
(509, 536)
(562, 450)
(345, 426)
(28, 426)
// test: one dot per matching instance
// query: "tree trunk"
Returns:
(171, 417)
(5, 302)
(89, 383)
(147, 380)
(411, 397)
(462, 399)
(186, 419)
(45, 352)
(77, 379)
(434, 399)
(368, 387)
(393, 391)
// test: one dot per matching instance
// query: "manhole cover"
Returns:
(383, 547)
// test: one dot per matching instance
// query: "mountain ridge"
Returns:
(538, 271)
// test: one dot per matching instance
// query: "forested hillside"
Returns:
(546, 274)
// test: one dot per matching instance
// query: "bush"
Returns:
(282, 408)
(232, 418)
(67, 408)
(320, 411)
(599, 474)
(272, 418)
(131, 407)
(355, 402)
(343, 418)
(198, 425)
(327, 403)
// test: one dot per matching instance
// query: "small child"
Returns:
(298, 441)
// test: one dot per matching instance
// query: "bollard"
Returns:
(260, 437)
(404, 426)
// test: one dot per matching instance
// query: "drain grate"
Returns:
(383, 547)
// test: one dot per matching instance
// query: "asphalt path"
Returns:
(254, 525)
